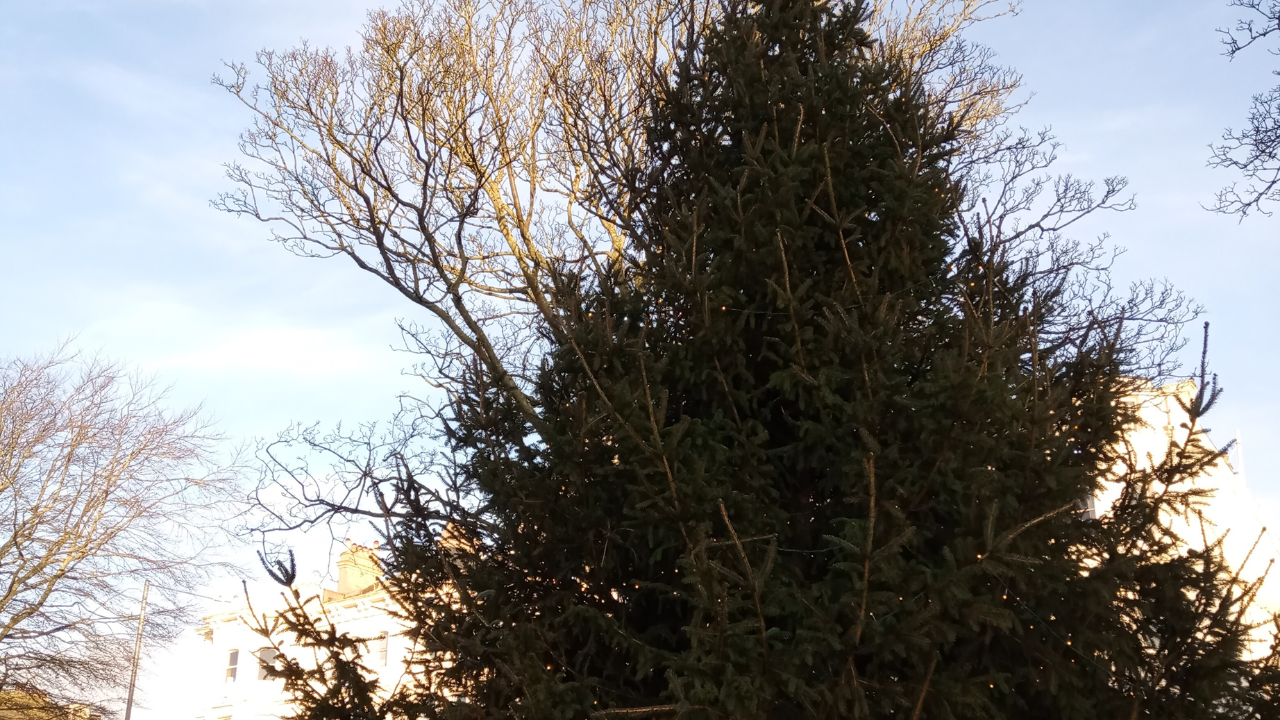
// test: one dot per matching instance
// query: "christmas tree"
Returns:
(816, 447)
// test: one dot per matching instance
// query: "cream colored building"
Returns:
(236, 688)
(1231, 513)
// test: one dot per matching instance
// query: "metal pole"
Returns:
(137, 649)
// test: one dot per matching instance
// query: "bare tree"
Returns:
(1254, 150)
(477, 154)
(101, 487)
(472, 154)
(962, 76)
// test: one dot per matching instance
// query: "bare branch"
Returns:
(1253, 151)
(100, 486)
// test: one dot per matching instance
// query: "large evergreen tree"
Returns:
(816, 448)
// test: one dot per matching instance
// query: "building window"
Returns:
(266, 656)
(380, 649)
(233, 660)
(1088, 508)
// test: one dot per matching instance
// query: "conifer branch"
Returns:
(724, 383)
(869, 463)
(925, 688)
(636, 712)
(751, 578)
(791, 306)
(838, 222)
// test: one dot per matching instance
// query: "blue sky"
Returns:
(114, 140)
(1140, 89)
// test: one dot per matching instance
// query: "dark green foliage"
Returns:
(813, 453)
(327, 679)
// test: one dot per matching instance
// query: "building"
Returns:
(1230, 514)
(237, 687)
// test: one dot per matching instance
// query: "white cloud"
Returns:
(301, 354)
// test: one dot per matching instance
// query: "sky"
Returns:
(1141, 89)
(114, 141)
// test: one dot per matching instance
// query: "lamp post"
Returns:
(137, 649)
